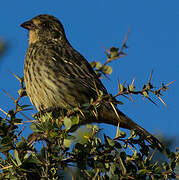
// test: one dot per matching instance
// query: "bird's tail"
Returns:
(155, 143)
(116, 117)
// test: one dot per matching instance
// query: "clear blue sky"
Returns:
(90, 24)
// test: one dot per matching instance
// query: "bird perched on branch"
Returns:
(57, 76)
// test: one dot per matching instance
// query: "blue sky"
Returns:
(153, 44)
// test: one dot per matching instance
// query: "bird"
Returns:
(58, 76)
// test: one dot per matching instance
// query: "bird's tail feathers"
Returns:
(119, 118)
(155, 143)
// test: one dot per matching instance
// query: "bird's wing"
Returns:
(74, 67)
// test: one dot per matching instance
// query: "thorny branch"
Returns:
(119, 53)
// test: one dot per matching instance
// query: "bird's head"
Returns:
(44, 27)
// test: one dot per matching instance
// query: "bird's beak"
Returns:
(28, 25)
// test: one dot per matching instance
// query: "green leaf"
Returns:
(5, 147)
(142, 172)
(11, 158)
(107, 165)
(173, 165)
(107, 69)
(93, 64)
(121, 134)
(43, 153)
(75, 120)
(132, 87)
(53, 134)
(121, 87)
(146, 94)
(98, 164)
(26, 156)
(132, 134)
(158, 170)
(16, 155)
(20, 144)
(114, 177)
(67, 123)
(32, 159)
(34, 127)
(114, 52)
(135, 155)
(110, 141)
(67, 143)
(12, 177)
(98, 65)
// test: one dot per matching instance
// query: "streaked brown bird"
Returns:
(57, 76)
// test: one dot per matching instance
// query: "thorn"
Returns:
(162, 101)
(131, 98)
(118, 83)
(170, 83)
(108, 51)
(115, 111)
(150, 77)
(4, 112)
(130, 148)
(97, 91)
(133, 81)
(125, 40)
(117, 132)
(81, 112)
(152, 101)
(17, 77)
(8, 95)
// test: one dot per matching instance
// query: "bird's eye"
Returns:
(45, 24)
